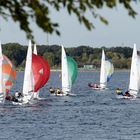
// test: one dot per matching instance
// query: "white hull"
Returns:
(124, 97)
(64, 94)
(100, 88)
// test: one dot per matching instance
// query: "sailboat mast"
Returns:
(1, 79)
(2, 92)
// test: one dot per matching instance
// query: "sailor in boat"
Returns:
(17, 97)
(127, 94)
(51, 90)
(11, 98)
(119, 91)
(93, 85)
(58, 91)
(96, 86)
(90, 84)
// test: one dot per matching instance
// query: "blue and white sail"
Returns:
(109, 69)
(106, 71)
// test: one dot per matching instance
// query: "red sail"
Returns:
(46, 74)
(46, 71)
(41, 71)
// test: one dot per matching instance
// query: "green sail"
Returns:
(72, 68)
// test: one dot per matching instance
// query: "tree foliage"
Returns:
(84, 55)
(22, 11)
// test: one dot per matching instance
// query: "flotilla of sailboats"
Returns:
(37, 74)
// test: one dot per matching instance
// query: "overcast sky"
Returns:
(122, 30)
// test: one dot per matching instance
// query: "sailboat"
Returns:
(69, 72)
(106, 73)
(37, 73)
(28, 81)
(7, 76)
(134, 81)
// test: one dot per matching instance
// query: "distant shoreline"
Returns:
(87, 70)
(94, 70)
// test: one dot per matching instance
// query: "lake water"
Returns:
(89, 115)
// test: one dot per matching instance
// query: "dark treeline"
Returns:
(84, 55)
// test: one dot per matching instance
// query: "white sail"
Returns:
(28, 75)
(66, 86)
(102, 72)
(134, 76)
(36, 94)
(35, 49)
(2, 99)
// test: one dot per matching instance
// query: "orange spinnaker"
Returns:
(8, 74)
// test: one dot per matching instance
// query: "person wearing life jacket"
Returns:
(8, 97)
(127, 94)
(51, 90)
(18, 96)
(90, 85)
(11, 98)
(58, 91)
(96, 86)
(119, 91)
(93, 85)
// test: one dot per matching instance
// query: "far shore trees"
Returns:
(84, 55)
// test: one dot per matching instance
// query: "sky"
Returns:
(121, 31)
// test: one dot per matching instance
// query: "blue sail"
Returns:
(109, 69)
